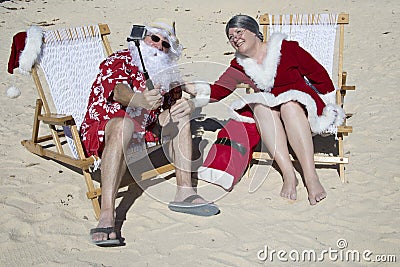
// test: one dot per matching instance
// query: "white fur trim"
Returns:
(329, 98)
(203, 92)
(31, 52)
(215, 176)
(332, 115)
(264, 75)
(13, 92)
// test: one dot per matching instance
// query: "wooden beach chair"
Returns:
(69, 62)
(318, 34)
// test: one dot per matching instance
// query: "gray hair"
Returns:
(245, 22)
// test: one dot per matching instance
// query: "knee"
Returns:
(119, 129)
(264, 114)
(182, 118)
(184, 125)
(260, 110)
(291, 109)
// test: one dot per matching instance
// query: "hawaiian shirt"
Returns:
(117, 68)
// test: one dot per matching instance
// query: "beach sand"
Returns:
(46, 216)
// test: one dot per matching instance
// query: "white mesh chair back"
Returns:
(70, 60)
(316, 33)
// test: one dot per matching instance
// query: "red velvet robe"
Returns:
(281, 78)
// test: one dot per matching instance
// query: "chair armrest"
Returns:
(344, 88)
(242, 85)
(345, 129)
(57, 119)
(249, 90)
(347, 87)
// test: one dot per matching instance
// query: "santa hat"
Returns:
(17, 46)
(164, 24)
(25, 50)
(230, 155)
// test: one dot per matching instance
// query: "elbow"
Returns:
(116, 95)
(119, 94)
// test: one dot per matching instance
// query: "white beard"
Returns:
(161, 67)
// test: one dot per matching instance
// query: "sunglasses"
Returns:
(238, 34)
(157, 39)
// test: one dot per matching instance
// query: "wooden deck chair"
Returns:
(316, 33)
(70, 61)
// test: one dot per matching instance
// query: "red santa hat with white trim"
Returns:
(25, 50)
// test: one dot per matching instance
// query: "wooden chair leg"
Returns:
(96, 207)
(36, 123)
(342, 173)
(341, 154)
(93, 194)
(56, 139)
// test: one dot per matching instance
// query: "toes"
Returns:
(312, 201)
(320, 196)
(103, 236)
(291, 196)
(317, 198)
(99, 237)
(288, 191)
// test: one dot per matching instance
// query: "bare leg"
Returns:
(299, 135)
(274, 137)
(118, 134)
(181, 151)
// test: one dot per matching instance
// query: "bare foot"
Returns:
(289, 188)
(183, 192)
(316, 191)
(106, 220)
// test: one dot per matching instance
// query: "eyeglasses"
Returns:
(157, 39)
(238, 33)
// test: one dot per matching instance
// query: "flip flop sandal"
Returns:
(199, 209)
(105, 243)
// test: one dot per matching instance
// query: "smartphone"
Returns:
(138, 33)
